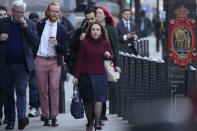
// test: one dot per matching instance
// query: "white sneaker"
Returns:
(39, 111)
(33, 112)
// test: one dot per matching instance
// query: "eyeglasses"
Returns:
(19, 12)
(54, 11)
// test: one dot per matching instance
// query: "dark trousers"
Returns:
(2, 93)
(18, 77)
(103, 113)
(33, 91)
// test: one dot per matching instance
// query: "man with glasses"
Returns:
(17, 36)
(48, 61)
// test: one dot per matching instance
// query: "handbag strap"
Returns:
(76, 93)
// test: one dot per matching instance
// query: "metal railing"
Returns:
(142, 46)
(141, 84)
(142, 92)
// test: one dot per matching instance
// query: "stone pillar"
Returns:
(5, 3)
(179, 45)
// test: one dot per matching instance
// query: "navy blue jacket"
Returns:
(29, 36)
(61, 37)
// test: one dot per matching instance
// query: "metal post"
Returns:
(157, 28)
(138, 46)
(137, 14)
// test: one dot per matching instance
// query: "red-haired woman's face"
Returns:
(95, 31)
(100, 16)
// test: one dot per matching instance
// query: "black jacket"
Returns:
(121, 29)
(30, 38)
(61, 37)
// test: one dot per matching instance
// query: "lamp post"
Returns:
(137, 14)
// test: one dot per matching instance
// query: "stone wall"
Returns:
(67, 7)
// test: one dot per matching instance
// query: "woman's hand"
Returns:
(118, 69)
(82, 36)
(75, 81)
(107, 54)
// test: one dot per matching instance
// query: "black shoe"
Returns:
(1, 121)
(9, 127)
(101, 122)
(104, 118)
(22, 123)
(42, 118)
(5, 121)
(46, 122)
(54, 122)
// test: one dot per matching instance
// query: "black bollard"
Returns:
(125, 84)
(62, 91)
(131, 98)
(120, 86)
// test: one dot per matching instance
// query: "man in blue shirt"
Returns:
(17, 36)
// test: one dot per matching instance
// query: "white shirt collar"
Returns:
(50, 23)
(125, 22)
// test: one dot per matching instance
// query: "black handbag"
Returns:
(76, 107)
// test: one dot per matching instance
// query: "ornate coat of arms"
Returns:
(182, 40)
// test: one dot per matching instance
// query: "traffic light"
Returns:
(128, 1)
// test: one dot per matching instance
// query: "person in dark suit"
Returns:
(17, 36)
(126, 31)
(3, 14)
(48, 61)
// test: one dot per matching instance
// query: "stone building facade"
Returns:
(68, 8)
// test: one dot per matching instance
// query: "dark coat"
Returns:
(61, 37)
(121, 30)
(68, 25)
(147, 27)
(74, 43)
(29, 36)
(113, 38)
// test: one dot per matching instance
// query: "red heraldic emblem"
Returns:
(182, 38)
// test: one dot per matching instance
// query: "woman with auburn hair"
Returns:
(104, 17)
(90, 73)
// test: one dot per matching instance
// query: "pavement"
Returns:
(68, 123)
(152, 48)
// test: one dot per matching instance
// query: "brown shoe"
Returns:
(46, 122)
(54, 122)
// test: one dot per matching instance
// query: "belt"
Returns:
(47, 57)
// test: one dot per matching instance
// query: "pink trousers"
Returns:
(48, 75)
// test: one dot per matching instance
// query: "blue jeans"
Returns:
(33, 91)
(18, 77)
